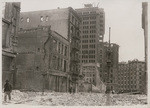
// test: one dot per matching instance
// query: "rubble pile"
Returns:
(76, 99)
(124, 99)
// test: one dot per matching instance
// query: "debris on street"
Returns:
(76, 99)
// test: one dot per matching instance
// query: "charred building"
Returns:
(65, 22)
(10, 22)
(42, 60)
(114, 58)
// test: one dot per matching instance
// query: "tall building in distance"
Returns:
(65, 22)
(92, 32)
(10, 22)
(114, 48)
(131, 76)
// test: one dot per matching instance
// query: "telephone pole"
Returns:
(109, 67)
(145, 28)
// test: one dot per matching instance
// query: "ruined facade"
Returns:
(42, 60)
(90, 73)
(10, 22)
(103, 70)
(131, 76)
(65, 22)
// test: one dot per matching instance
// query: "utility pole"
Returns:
(109, 67)
(145, 28)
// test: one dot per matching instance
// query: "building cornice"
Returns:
(8, 53)
(6, 21)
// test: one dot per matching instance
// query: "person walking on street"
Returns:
(7, 90)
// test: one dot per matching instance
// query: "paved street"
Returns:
(77, 99)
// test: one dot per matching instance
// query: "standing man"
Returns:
(70, 89)
(7, 90)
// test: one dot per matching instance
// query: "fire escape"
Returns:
(75, 56)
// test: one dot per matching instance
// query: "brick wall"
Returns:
(35, 58)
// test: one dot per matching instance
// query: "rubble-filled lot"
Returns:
(77, 99)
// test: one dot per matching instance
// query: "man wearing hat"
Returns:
(7, 90)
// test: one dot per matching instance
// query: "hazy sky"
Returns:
(123, 16)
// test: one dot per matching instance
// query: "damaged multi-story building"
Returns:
(65, 22)
(114, 58)
(10, 22)
(42, 60)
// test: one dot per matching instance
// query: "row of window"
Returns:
(127, 82)
(86, 52)
(87, 18)
(60, 47)
(85, 31)
(125, 87)
(88, 22)
(90, 41)
(41, 19)
(86, 46)
(92, 46)
(91, 27)
(86, 36)
(88, 56)
(59, 64)
(84, 41)
(91, 31)
(86, 61)
(86, 13)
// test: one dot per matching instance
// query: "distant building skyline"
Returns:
(123, 16)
